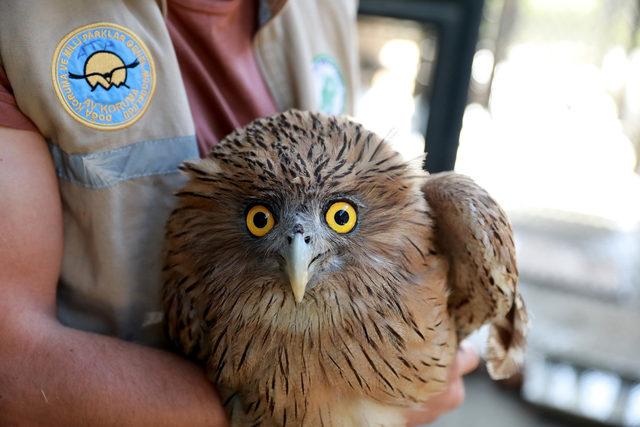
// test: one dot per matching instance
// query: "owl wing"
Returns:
(473, 232)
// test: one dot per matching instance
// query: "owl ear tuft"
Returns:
(203, 167)
(189, 167)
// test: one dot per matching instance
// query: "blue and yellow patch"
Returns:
(104, 76)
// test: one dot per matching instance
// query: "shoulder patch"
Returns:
(103, 75)
(329, 85)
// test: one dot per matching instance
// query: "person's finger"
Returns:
(454, 396)
(467, 360)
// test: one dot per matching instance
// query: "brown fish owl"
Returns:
(322, 280)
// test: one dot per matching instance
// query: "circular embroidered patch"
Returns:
(104, 75)
(328, 85)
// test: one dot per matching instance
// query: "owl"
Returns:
(322, 280)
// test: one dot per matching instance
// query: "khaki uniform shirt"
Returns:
(101, 83)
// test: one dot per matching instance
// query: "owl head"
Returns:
(295, 200)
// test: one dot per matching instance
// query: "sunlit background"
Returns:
(552, 130)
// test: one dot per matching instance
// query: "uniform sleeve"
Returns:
(10, 114)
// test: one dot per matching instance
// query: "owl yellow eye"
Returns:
(259, 220)
(341, 217)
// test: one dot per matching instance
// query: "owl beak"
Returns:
(298, 256)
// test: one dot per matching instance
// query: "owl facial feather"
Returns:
(297, 164)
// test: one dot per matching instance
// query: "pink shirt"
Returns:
(213, 40)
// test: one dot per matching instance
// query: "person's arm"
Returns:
(54, 375)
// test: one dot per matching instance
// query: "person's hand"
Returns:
(466, 361)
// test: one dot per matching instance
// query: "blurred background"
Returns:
(539, 102)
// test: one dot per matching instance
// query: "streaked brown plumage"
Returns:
(430, 260)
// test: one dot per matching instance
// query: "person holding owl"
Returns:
(98, 107)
